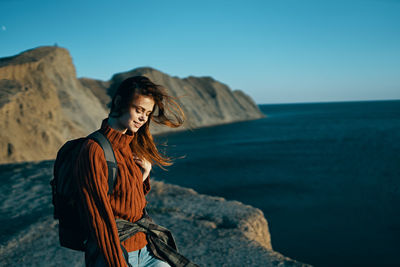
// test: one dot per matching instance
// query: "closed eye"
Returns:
(140, 109)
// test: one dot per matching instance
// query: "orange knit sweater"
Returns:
(126, 202)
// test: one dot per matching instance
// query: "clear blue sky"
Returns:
(277, 51)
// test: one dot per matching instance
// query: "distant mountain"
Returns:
(43, 104)
(205, 101)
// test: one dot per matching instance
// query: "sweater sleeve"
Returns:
(93, 181)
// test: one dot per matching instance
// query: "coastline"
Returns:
(209, 230)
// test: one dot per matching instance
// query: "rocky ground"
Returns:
(211, 231)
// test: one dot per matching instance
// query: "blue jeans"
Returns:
(144, 258)
(138, 258)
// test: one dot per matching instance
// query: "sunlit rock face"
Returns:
(43, 104)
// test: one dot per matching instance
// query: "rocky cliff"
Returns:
(204, 100)
(211, 231)
(43, 104)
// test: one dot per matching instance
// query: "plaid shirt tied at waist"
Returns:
(160, 240)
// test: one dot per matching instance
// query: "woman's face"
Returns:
(138, 113)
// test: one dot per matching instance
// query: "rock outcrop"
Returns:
(211, 231)
(204, 100)
(43, 104)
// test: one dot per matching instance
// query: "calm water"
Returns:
(326, 176)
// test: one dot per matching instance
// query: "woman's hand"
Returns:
(145, 165)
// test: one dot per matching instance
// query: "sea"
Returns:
(325, 175)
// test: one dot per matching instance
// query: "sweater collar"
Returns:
(116, 138)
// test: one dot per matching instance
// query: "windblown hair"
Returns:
(164, 106)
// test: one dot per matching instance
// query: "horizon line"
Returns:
(328, 101)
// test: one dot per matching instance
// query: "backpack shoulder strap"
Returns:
(112, 166)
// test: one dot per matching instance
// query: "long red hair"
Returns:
(143, 144)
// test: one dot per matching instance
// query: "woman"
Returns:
(136, 102)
